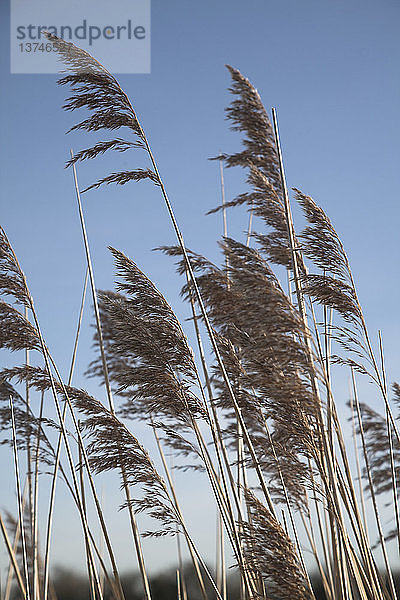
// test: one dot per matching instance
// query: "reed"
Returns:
(253, 409)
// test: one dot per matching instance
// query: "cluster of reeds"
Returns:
(253, 407)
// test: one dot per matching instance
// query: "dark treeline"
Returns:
(70, 585)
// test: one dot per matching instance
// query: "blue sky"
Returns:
(330, 68)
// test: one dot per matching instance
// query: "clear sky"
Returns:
(330, 68)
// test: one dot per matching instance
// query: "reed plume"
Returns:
(150, 360)
(271, 553)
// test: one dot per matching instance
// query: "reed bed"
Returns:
(252, 407)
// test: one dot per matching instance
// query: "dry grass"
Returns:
(258, 418)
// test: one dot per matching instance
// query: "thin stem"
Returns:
(224, 219)
(180, 570)
(178, 509)
(359, 476)
(326, 461)
(13, 559)
(324, 537)
(63, 435)
(220, 562)
(359, 529)
(325, 454)
(93, 287)
(36, 589)
(135, 531)
(389, 434)
(19, 498)
(83, 497)
(290, 510)
(219, 445)
(29, 460)
(311, 539)
(17, 533)
(372, 491)
(59, 444)
(250, 224)
(92, 485)
(78, 328)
